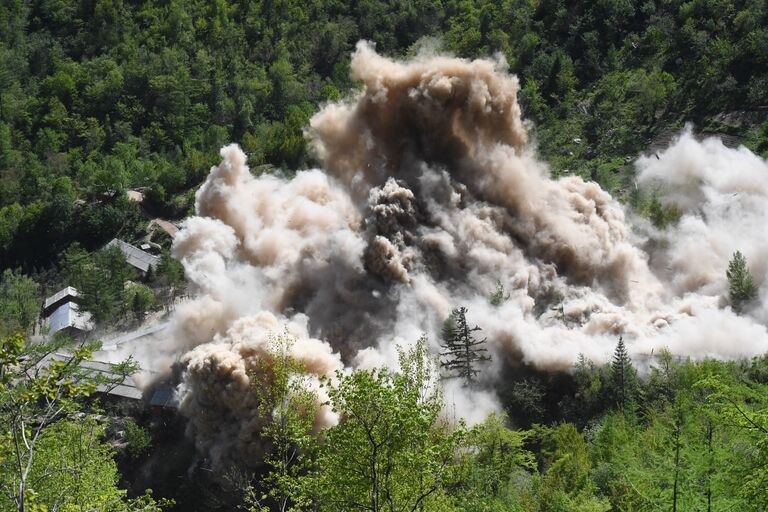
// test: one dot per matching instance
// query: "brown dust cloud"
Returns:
(429, 194)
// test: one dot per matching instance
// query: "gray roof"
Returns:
(135, 256)
(68, 292)
(112, 343)
(165, 396)
(126, 389)
(68, 315)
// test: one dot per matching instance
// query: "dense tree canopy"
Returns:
(97, 96)
(49, 458)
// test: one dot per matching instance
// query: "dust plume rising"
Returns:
(218, 390)
(428, 196)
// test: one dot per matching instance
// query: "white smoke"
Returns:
(723, 196)
(427, 198)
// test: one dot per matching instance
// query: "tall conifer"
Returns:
(461, 351)
(623, 377)
(741, 287)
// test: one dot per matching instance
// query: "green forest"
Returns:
(689, 436)
(99, 98)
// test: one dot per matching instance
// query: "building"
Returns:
(140, 260)
(111, 383)
(108, 381)
(116, 386)
(112, 343)
(164, 397)
(61, 313)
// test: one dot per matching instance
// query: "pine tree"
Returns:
(623, 376)
(462, 352)
(742, 287)
(500, 296)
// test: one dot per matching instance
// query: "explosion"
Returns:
(429, 194)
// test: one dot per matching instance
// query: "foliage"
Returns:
(590, 398)
(489, 456)
(679, 452)
(390, 450)
(287, 406)
(73, 469)
(462, 352)
(741, 284)
(499, 296)
(661, 216)
(688, 453)
(100, 278)
(19, 302)
(566, 484)
(88, 113)
(138, 298)
(138, 439)
(49, 461)
(35, 396)
(623, 378)
(98, 97)
(170, 271)
(739, 410)
(527, 397)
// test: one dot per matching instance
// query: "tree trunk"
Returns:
(710, 468)
(677, 464)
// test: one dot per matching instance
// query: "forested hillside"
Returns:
(112, 114)
(103, 96)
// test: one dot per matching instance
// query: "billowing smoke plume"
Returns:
(218, 390)
(430, 195)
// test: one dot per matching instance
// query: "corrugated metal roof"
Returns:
(126, 389)
(69, 315)
(69, 291)
(135, 256)
(121, 391)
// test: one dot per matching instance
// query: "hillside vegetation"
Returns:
(102, 97)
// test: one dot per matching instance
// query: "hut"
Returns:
(61, 313)
(140, 260)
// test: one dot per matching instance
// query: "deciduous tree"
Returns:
(44, 463)
(390, 450)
